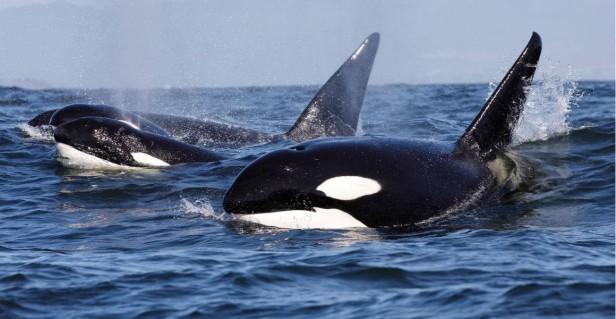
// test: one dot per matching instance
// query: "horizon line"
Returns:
(5, 86)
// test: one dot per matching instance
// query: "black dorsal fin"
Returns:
(493, 127)
(334, 110)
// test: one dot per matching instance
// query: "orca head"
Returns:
(76, 111)
(353, 182)
(327, 183)
(97, 142)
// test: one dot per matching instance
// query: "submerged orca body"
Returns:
(333, 111)
(382, 182)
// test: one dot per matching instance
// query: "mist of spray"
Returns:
(547, 107)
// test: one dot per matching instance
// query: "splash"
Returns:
(203, 207)
(547, 107)
(39, 133)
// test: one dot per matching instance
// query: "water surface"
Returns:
(156, 243)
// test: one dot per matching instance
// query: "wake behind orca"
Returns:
(383, 182)
(333, 111)
(100, 137)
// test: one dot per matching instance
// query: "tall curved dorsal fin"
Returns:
(493, 127)
(334, 110)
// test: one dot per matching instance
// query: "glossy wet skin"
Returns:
(75, 111)
(417, 180)
(116, 141)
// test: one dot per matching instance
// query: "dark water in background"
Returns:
(155, 243)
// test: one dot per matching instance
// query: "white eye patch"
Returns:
(349, 187)
(148, 160)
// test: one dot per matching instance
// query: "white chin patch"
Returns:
(148, 160)
(72, 158)
(130, 124)
(349, 187)
(321, 218)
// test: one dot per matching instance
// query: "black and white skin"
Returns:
(385, 182)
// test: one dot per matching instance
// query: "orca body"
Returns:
(75, 111)
(103, 143)
(376, 181)
(333, 111)
(382, 182)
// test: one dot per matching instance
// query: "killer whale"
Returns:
(384, 182)
(333, 111)
(104, 143)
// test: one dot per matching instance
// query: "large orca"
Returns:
(383, 182)
(333, 111)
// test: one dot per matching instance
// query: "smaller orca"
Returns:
(333, 111)
(103, 143)
(384, 182)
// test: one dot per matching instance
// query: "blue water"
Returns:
(156, 243)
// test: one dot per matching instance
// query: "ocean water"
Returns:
(156, 243)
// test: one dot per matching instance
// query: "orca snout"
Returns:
(270, 183)
(241, 196)
(232, 203)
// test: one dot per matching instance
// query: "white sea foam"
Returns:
(547, 107)
(204, 208)
(39, 133)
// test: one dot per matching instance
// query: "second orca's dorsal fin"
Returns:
(334, 110)
(493, 127)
